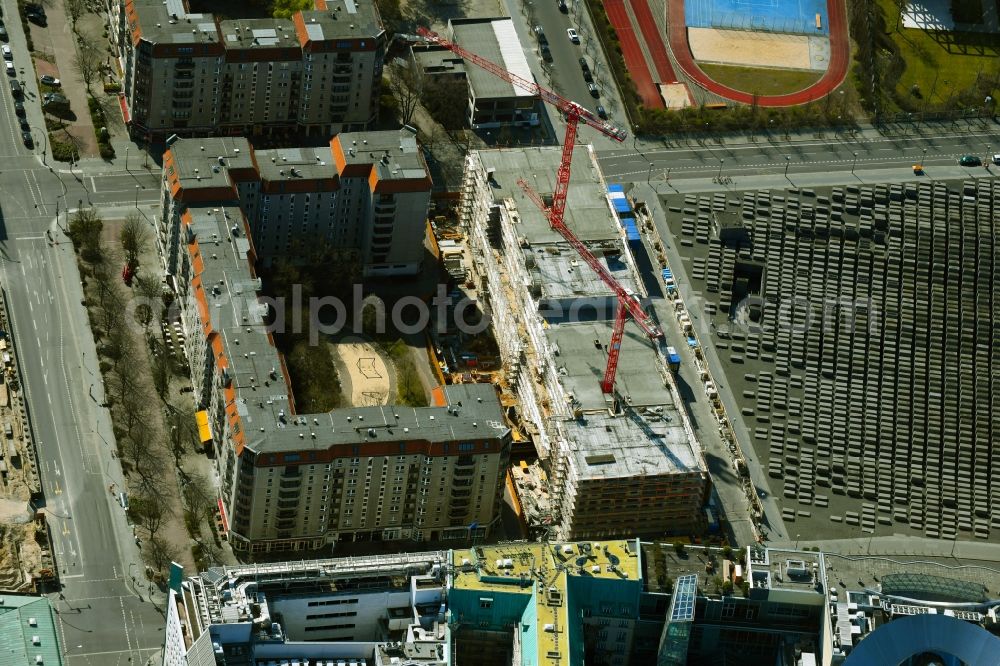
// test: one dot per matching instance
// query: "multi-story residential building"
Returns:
(191, 74)
(626, 463)
(291, 481)
(367, 194)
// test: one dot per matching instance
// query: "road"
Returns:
(563, 75)
(104, 616)
(836, 152)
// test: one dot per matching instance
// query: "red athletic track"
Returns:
(840, 55)
(651, 33)
(635, 61)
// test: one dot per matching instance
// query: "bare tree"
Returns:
(75, 9)
(406, 83)
(151, 292)
(161, 371)
(150, 512)
(87, 61)
(199, 497)
(85, 232)
(134, 237)
(159, 552)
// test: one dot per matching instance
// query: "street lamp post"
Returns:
(855, 162)
(788, 161)
(126, 156)
(649, 174)
(721, 162)
(137, 187)
(45, 144)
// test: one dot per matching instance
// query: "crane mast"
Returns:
(627, 304)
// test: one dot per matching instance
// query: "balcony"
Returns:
(464, 471)
(184, 64)
(459, 493)
(462, 483)
(184, 75)
(286, 524)
(286, 514)
(288, 495)
(465, 461)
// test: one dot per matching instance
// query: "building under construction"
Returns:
(624, 462)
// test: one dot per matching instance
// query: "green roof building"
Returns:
(28, 632)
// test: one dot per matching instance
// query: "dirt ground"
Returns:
(753, 49)
(173, 529)
(364, 373)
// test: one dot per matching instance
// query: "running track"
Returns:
(840, 54)
(635, 61)
(651, 33)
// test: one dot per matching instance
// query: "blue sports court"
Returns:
(789, 16)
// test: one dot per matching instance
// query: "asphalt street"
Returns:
(837, 152)
(104, 614)
(564, 75)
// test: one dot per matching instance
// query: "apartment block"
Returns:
(626, 463)
(293, 481)
(191, 74)
(367, 195)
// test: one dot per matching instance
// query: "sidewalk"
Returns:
(857, 133)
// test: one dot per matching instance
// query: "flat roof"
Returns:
(295, 163)
(168, 23)
(542, 570)
(587, 212)
(394, 153)
(495, 40)
(259, 33)
(581, 365)
(343, 19)
(196, 162)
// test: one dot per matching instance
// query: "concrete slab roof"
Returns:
(495, 40)
(582, 358)
(587, 211)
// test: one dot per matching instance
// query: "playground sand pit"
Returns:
(756, 49)
(365, 376)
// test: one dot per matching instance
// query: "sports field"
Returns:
(786, 16)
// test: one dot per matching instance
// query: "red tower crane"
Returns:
(627, 303)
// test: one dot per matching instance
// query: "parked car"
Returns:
(15, 89)
(28, 141)
(540, 35)
(563, 7)
(546, 52)
(594, 90)
(50, 80)
(602, 112)
(573, 36)
(996, 159)
(7, 53)
(3, 33)
(11, 71)
(25, 126)
(19, 108)
(970, 161)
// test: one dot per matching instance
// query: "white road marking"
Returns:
(96, 654)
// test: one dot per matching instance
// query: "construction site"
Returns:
(610, 462)
(26, 563)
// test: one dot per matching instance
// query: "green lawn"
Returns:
(942, 64)
(762, 81)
